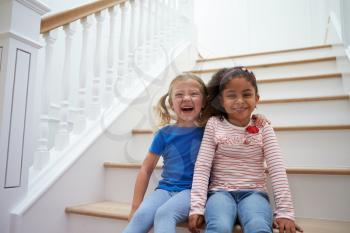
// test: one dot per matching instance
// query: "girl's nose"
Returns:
(186, 97)
(239, 99)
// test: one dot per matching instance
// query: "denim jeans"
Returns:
(251, 207)
(163, 209)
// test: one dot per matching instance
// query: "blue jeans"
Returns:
(251, 207)
(163, 209)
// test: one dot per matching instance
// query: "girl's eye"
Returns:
(178, 95)
(195, 94)
(247, 94)
(231, 96)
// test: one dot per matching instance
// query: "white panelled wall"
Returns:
(255, 25)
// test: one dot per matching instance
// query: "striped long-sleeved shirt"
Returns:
(234, 159)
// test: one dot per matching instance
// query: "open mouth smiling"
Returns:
(187, 109)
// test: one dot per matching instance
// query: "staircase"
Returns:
(303, 94)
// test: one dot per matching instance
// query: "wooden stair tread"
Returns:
(272, 64)
(114, 210)
(265, 53)
(124, 165)
(276, 128)
(290, 170)
(104, 209)
(305, 99)
(300, 78)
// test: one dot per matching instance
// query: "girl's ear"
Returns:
(257, 98)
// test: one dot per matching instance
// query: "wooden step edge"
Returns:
(104, 209)
(120, 211)
(276, 128)
(305, 99)
(318, 171)
(300, 78)
(142, 131)
(273, 64)
(125, 165)
(311, 128)
(264, 53)
(290, 170)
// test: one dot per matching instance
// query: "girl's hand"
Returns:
(260, 120)
(286, 225)
(195, 222)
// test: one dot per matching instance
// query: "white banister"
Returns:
(108, 95)
(83, 75)
(95, 105)
(148, 51)
(81, 118)
(142, 34)
(62, 137)
(42, 153)
(334, 22)
(120, 82)
(132, 41)
(156, 40)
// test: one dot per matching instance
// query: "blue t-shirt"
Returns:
(179, 147)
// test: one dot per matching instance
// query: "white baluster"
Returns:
(80, 123)
(148, 52)
(162, 24)
(42, 154)
(108, 95)
(134, 27)
(172, 24)
(122, 61)
(95, 105)
(132, 40)
(168, 24)
(62, 136)
(142, 33)
(156, 38)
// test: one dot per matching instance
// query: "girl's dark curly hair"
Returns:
(217, 84)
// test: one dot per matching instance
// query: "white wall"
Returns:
(57, 6)
(345, 18)
(228, 27)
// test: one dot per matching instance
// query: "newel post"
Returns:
(19, 45)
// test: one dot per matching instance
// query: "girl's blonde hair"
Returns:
(162, 109)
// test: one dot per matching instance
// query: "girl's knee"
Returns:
(219, 226)
(258, 224)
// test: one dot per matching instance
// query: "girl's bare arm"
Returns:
(142, 181)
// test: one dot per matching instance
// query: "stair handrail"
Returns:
(59, 19)
(333, 20)
(85, 84)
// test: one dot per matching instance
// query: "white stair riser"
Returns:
(304, 187)
(299, 89)
(319, 148)
(88, 224)
(321, 196)
(137, 147)
(288, 70)
(278, 57)
(120, 182)
(307, 113)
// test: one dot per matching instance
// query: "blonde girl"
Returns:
(178, 144)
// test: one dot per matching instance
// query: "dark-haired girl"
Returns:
(233, 154)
